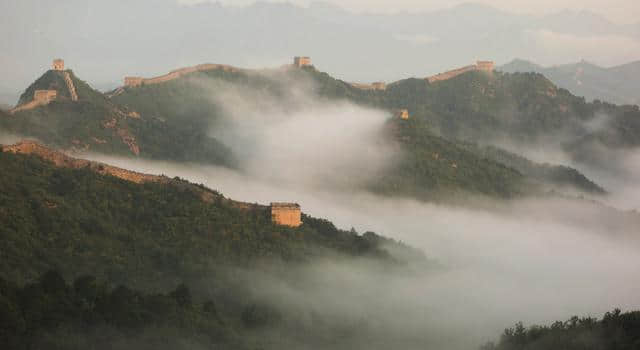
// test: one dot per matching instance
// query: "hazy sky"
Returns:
(620, 11)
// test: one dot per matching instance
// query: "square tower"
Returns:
(301, 61)
(485, 66)
(58, 64)
(402, 114)
(286, 214)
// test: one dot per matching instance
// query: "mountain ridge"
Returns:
(612, 84)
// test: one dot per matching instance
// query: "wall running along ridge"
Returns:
(62, 160)
(482, 66)
(137, 81)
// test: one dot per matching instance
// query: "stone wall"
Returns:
(286, 214)
(133, 81)
(452, 73)
(40, 98)
(175, 74)
(484, 66)
(60, 159)
(378, 85)
(44, 96)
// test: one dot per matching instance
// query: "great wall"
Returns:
(130, 81)
(378, 86)
(44, 97)
(284, 214)
(481, 66)
(60, 159)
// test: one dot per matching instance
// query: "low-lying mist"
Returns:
(288, 134)
(531, 260)
(616, 170)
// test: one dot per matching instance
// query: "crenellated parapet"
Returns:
(481, 66)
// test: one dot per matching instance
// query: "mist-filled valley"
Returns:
(533, 259)
(222, 207)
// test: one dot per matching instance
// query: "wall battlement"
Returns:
(482, 66)
(486, 66)
(133, 81)
(44, 96)
(378, 86)
(286, 214)
(40, 98)
(175, 74)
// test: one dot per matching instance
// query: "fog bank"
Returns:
(533, 260)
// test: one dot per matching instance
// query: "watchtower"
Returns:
(485, 66)
(301, 61)
(286, 214)
(58, 64)
(402, 114)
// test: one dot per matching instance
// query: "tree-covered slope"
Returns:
(520, 107)
(90, 314)
(615, 330)
(150, 238)
(613, 84)
(173, 120)
(95, 123)
(192, 98)
(145, 235)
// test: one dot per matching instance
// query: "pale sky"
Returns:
(619, 11)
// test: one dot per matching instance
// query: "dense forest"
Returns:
(89, 314)
(616, 330)
(150, 235)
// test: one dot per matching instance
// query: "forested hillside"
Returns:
(151, 238)
(615, 330)
(611, 84)
(175, 120)
(94, 123)
(422, 172)
(148, 234)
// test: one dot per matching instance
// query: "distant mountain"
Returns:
(614, 84)
(174, 117)
(432, 165)
(355, 46)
